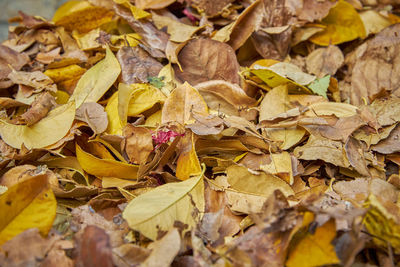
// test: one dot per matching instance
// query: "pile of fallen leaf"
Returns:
(201, 133)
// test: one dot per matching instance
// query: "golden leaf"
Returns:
(159, 208)
(28, 204)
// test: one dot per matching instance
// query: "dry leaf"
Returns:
(323, 61)
(25, 205)
(205, 59)
(158, 209)
(190, 101)
(46, 132)
(138, 143)
(137, 65)
(97, 80)
(39, 109)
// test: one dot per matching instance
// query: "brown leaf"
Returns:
(39, 109)
(138, 143)
(31, 249)
(376, 66)
(189, 100)
(389, 145)
(137, 65)
(94, 115)
(164, 250)
(211, 8)
(319, 148)
(323, 61)
(312, 10)
(224, 96)
(36, 79)
(94, 248)
(32, 22)
(205, 59)
(15, 59)
(355, 155)
(155, 41)
(273, 46)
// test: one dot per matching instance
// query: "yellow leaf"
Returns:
(248, 192)
(81, 16)
(105, 167)
(69, 72)
(343, 24)
(87, 41)
(97, 80)
(144, 97)
(178, 31)
(137, 13)
(382, 220)
(189, 100)
(315, 249)
(28, 204)
(374, 22)
(114, 122)
(340, 110)
(153, 4)
(159, 208)
(188, 164)
(46, 132)
(130, 39)
(276, 102)
(154, 119)
(281, 165)
(124, 95)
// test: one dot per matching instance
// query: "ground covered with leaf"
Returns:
(202, 133)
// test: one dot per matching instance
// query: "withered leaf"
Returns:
(389, 145)
(138, 143)
(37, 80)
(155, 41)
(137, 65)
(16, 60)
(39, 109)
(321, 148)
(94, 115)
(205, 59)
(323, 61)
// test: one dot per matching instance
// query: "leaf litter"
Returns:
(201, 133)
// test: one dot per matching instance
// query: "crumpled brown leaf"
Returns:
(205, 59)
(39, 109)
(389, 145)
(379, 56)
(137, 65)
(94, 248)
(16, 60)
(94, 115)
(323, 61)
(273, 46)
(36, 80)
(155, 41)
(138, 143)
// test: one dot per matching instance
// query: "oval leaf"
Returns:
(46, 132)
(29, 204)
(161, 207)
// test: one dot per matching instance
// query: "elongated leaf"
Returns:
(29, 204)
(105, 167)
(161, 207)
(97, 80)
(46, 132)
(81, 16)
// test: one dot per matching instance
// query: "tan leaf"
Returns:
(137, 65)
(225, 97)
(39, 109)
(138, 143)
(318, 148)
(323, 61)
(205, 59)
(189, 99)
(94, 115)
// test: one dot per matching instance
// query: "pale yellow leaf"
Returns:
(46, 132)
(28, 204)
(97, 80)
(159, 208)
(105, 167)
